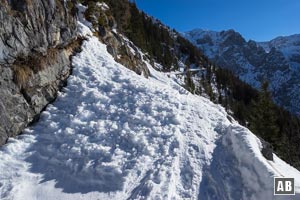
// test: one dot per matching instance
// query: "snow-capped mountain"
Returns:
(277, 61)
(288, 45)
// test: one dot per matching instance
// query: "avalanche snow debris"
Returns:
(112, 134)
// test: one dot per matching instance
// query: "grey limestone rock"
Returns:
(34, 60)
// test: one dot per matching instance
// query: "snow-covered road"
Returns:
(112, 134)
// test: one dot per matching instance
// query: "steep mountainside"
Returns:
(113, 134)
(276, 61)
(138, 118)
(32, 80)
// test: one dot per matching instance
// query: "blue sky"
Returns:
(259, 20)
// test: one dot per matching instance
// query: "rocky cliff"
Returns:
(37, 38)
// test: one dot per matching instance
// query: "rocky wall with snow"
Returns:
(34, 58)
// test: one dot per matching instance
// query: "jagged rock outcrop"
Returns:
(276, 61)
(125, 52)
(36, 42)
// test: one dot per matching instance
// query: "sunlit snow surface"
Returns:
(112, 134)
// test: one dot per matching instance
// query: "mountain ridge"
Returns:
(255, 62)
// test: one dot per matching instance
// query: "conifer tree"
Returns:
(189, 82)
(263, 120)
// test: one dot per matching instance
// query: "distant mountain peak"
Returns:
(277, 60)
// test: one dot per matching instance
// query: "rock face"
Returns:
(126, 53)
(277, 61)
(35, 47)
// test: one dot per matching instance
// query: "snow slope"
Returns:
(112, 134)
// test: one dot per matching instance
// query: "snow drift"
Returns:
(112, 134)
